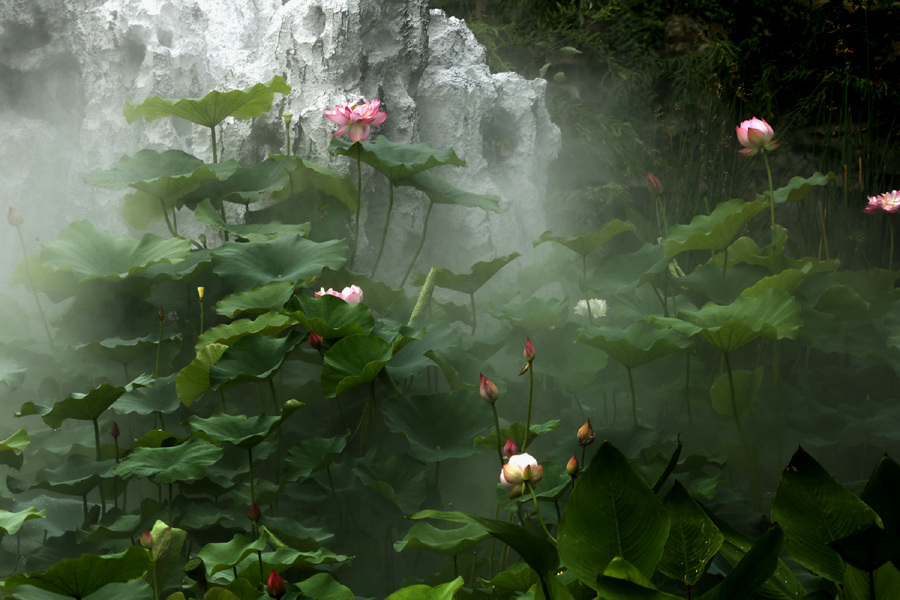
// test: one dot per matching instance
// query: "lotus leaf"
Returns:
(639, 344)
(12, 374)
(286, 258)
(596, 527)
(12, 449)
(331, 317)
(159, 396)
(260, 232)
(393, 160)
(534, 313)
(218, 557)
(322, 586)
(713, 232)
(306, 175)
(399, 479)
(169, 465)
(587, 243)
(444, 591)
(622, 273)
(539, 553)
(516, 431)
(213, 108)
(450, 542)
(239, 430)
(352, 361)
(440, 191)
(266, 324)
(746, 385)
(439, 426)
(10, 522)
(798, 188)
(469, 283)
(253, 357)
(88, 407)
(311, 455)
(193, 380)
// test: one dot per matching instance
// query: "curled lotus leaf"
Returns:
(450, 542)
(77, 476)
(306, 175)
(440, 191)
(267, 324)
(444, 591)
(12, 449)
(469, 283)
(261, 299)
(260, 232)
(639, 344)
(169, 465)
(331, 317)
(88, 407)
(587, 243)
(395, 160)
(352, 361)
(253, 357)
(798, 188)
(10, 522)
(713, 232)
(239, 430)
(213, 108)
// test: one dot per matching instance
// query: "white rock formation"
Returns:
(68, 66)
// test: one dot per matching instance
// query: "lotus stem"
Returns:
(537, 512)
(891, 254)
(387, 221)
(252, 486)
(499, 443)
(170, 505)
(158, 348)
(474, 315)
(358, 205)
(775, 393)
(421, 243)
(530, 396)
(687, 397)
(165, 212)
(724, 271)
(737, 423)
(771, 192)
(633, 397)
(99, 458)
(34, 289)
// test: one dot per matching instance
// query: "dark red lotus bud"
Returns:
(115, 431)
(275, 586)
(255, 513)
(315, 340)
(510, 449)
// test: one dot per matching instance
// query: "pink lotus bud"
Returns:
(254, 513)
(315, 340)
(529, 350)
(357, 118)
(510, 449)
(572, 467)
(489, 391)
(755, 136)
(115, 431)
(14, 217)
(586, 434)
(522, 470)
(653, 185)
(146, 540)
(275, 586)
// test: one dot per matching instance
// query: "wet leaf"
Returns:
(440, 191)
(693, 538)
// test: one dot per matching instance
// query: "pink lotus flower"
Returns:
(510, 449)
(350, 295)
(887, 202)
(522, 470)
(755, 135)
(653, 185)
(357, 118)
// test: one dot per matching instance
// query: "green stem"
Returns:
(737, 423)
(158, 347)
(537, 511)
(771, 192)
(633, 398)
(530, 396)
(891, 255)
(252, 485)
(165, 212)
(474, 316)
(335, 498)
(687, 397)
(212, 133)
(387, 221)
(724, 271)
(421, 244)
(775, 393)
(201, 317)
(358, 205)
(497, 429)
(170, 506)
(33, 289)
(99, 458)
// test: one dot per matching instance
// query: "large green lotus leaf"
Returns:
(12, 374)
(781, 585)
(258, 300)
(469, 283)
(449, 542)
(283, 559)
(252, 358)
(754, 569)
(10, 522)
(844, 303)
(400, 479)
(539, 553)
(239, 430)
(534, 313)
(160, 396)
(12, 449)
(813, 509)
(136, 589)
(91, 253)
(119, 350)
(286, 258)
(213, 108)
(169, 465)
(260, 232)
(639, 344)
(706, 279)
(250, 184)
(444, 591)
(693, 538)
(81, 577)
(440, 191)
(798, 188)
(87, 407)
(439, 426)
(268, 324)
(193, 380)
(787, 281)
(312, 454)
(77, 476)
(517, 578)
(746, 384)
(220, 556)
(516, 431)
(311, 176)
(352, 361)
(331, 317)
(612, 512)
(586, 243)
(772, 313)
(186, 271)
(713, 232)
(881, 493)
(622, 273)
(393, 160)
(322, 586)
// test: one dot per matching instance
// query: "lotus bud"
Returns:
(521, 472)
(572, 467)
(315, 340)
(146, 540)
(254, 513)
(275, 586)
(202, 239)
(162, 314)
(653, 185)
(14, 217)
(200, 291)
(287, 118)
(586, 434)
(529, 350)
(704, 189)
(115, 431)
(489, 391)
(510, 449)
